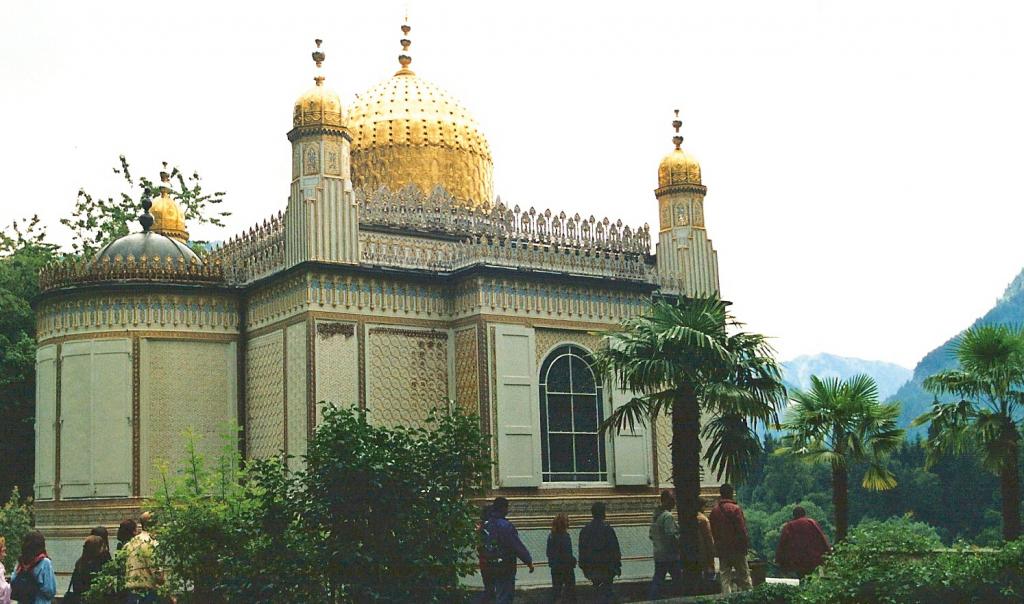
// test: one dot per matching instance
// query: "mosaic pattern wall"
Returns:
(406, 374)
(337, 363)
(467, 384)
(296, 372)
(265, 395)
(664, 444)
(204, 403)
(549, 338)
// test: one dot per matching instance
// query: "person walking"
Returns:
(86, 568)
(142, 576)
(705, 550)
(600, 556)
(664, 535)
(126, 532)
(101, 532)
(802, 545)
(561, 561)
(33, 581)
(729, 530)
(500, 546)
(487, 596)
(5, 587)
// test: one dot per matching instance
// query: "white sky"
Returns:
(862, 158)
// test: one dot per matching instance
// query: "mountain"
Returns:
(888, 376)
(1009, 308)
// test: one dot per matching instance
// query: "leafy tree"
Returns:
(840, 423)
(990, 385)
(681, 359)
(95, 221)
(390, 508)
(15, 521)
(23, 251)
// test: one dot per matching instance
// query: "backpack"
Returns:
(24, 587)
(491, 550)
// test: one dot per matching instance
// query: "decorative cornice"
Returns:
(681, 188)
(317, 130)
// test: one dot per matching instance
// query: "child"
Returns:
(561, 561)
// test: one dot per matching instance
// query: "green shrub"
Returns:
(15, 521)
(767, 593)
(379, 515)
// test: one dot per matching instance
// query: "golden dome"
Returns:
(678, 168)
(408, 130)
(318, 106)
(168, 218)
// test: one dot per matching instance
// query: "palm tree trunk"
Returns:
(686, 471)
(1009, 483)
(840, 499)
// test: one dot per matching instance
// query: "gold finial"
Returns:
(318, 58)
(404, 59)
(165, 177)
(677, 124)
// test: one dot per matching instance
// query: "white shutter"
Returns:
(96, 433)
(111, 418)
(518, 407)
(46, 420)
(631, 447)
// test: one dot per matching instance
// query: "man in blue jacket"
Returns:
(499, 549)
(600, 556)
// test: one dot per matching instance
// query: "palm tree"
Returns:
(681, 359)
(841, 423)
(990, 385)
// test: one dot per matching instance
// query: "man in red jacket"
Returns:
(731, 541)
(801, 545)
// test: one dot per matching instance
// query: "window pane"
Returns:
(559, 413)
(582, 376)
(584, 409)
(561, 452)
(558, 375)
(587, 453)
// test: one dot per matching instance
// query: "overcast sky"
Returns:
(862, 158)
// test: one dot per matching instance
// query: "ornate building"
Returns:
(392, 280)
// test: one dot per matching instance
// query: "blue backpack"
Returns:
(24, 587)
(491, 550)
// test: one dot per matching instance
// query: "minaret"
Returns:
(684, 251)
(322, 219)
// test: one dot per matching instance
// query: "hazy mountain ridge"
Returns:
(889, 376)
(1009, 308)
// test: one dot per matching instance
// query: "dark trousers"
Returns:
(602, 578)
(563, 583)
(673, 568)
(488, 594)
(504, 587)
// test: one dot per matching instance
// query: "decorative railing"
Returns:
(254, 253)
(409, 209)
(380, 249)
(78, 271)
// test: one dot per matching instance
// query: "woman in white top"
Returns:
(5, 587)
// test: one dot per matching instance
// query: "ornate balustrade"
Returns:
(410, 210)
(77, 271)
(445, 256)
(255, 253)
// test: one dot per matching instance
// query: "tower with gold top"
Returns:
(684, 250)
(392, 280)
(321, 220)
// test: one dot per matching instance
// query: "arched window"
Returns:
(571, 412)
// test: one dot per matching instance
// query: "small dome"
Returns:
(147, 245)
(678, 168)
(318, 106)
(168, 218)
